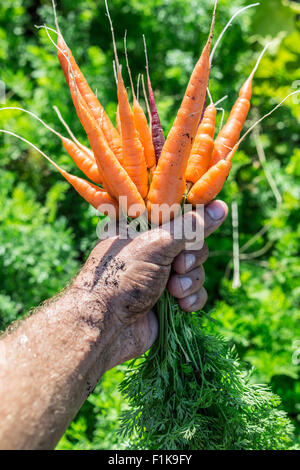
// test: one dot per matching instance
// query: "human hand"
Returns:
(123, 279)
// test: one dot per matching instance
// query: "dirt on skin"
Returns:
(107, 271)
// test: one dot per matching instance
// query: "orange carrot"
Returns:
(133, 159)
(200, 156)
(91, 193)
(141, 123)
(111, 134)
(133, 152)
(168, 184)
(118, 120)
(202, 149)
(115, 179)
(211, 183)
(231, 131)
(84, 159)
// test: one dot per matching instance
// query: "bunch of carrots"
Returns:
(135, 160)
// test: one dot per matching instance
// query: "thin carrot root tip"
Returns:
(226, 27)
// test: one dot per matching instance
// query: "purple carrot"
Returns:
(156, 128)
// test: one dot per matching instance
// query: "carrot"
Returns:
(203, 146)
(211, 183)
(156, 127)
(85, 116)
(91, 193)
(118, 120)
(141, 123)
(115, 178)
(85, 163)
(133, 159)
(200, 156)
(81, 155)
(203, 109)
(152, 169)
(65, 58)
(230, 133)
(168, 183)
(84, 160)
(111, 134)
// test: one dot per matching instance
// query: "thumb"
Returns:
(189, 230)
(184, 232)
(214, 215)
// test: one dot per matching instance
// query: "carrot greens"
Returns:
(191, 392)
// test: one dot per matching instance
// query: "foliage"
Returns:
(47, 231)
(192, 393)
(37, 258)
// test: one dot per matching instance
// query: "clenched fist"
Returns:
(129, 276)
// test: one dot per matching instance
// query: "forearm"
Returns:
(49, 365)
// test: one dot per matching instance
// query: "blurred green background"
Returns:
(47, 231)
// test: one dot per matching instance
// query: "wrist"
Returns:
(97, 326)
